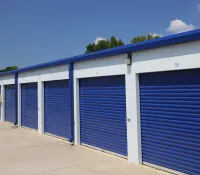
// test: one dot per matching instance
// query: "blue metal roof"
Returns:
(150, 44)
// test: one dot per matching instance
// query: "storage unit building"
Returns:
(29, 105)
(139, 101)
(10, 105)
(1, 100)
(103, 113)
(57, 115)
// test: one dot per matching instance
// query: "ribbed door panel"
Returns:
(57, 108)
(103, 113)
(170, 119)
(10, 103)
(29, 105)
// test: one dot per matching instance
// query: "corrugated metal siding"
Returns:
(103, 113)
(57, 108)
(170, 119)
(29, 105)
(10, 103)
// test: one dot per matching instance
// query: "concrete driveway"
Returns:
(24, 152)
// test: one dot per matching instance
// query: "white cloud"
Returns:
(178, 26)
(155, 34)
(198, 6)
(98, 39)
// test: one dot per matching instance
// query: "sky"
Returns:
(37, 31)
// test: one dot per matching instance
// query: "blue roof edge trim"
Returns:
(9, 72)
(150, 44)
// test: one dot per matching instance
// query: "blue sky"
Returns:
(37, 31)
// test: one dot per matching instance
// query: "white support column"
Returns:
(19, 105)
(40, 107)
(3, 103)
(133, 117)
(76, 113)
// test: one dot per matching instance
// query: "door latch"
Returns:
(128, 120)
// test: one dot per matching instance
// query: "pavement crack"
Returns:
(11, 129)
(67, 167)
(31, 146)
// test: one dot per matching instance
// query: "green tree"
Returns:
(90, 48)
(138, 39)
(113, 42)
(10, 68)
(104, 44)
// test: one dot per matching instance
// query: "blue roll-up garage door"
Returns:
(29, 105)
(10, 103)
(170, 119)
(103, 113)
(57, 108)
